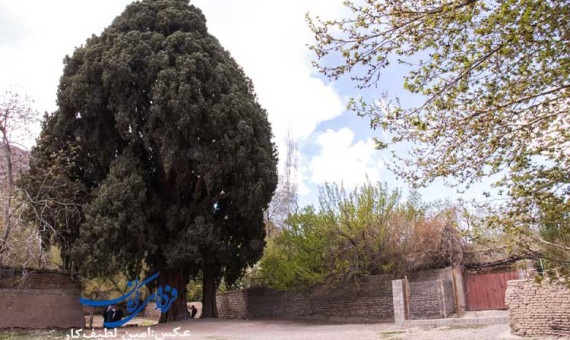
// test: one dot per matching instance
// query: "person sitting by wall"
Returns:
(112, 314)
(108, 313)
(117, 315)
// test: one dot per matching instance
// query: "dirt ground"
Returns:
(286, 330)
(136, 321)
(295, 330)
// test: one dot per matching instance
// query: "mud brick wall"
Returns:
(371, 301)
(42, 299)
(41, 279)
(538, 309)
(431, 299)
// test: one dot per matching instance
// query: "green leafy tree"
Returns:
(495, 80)
(297, 257)
(367, 231)
(173, 153)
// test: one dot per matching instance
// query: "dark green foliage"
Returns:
(115, 222)
(173, 148)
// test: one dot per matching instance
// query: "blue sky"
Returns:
(268, 39)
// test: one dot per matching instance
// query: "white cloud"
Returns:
(342, 160)
(268, 39)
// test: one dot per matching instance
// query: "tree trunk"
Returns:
(175, 278)
(209, 288)
(8, 198)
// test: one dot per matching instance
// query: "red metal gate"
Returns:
(487, 291)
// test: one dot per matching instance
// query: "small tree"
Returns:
(16, 116)
(51, 193)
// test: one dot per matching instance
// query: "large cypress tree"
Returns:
(173, 148)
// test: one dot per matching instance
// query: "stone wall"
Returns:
(538, 309)
(446, 274)
(371, 301)
(39, 299)
(431, 299)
